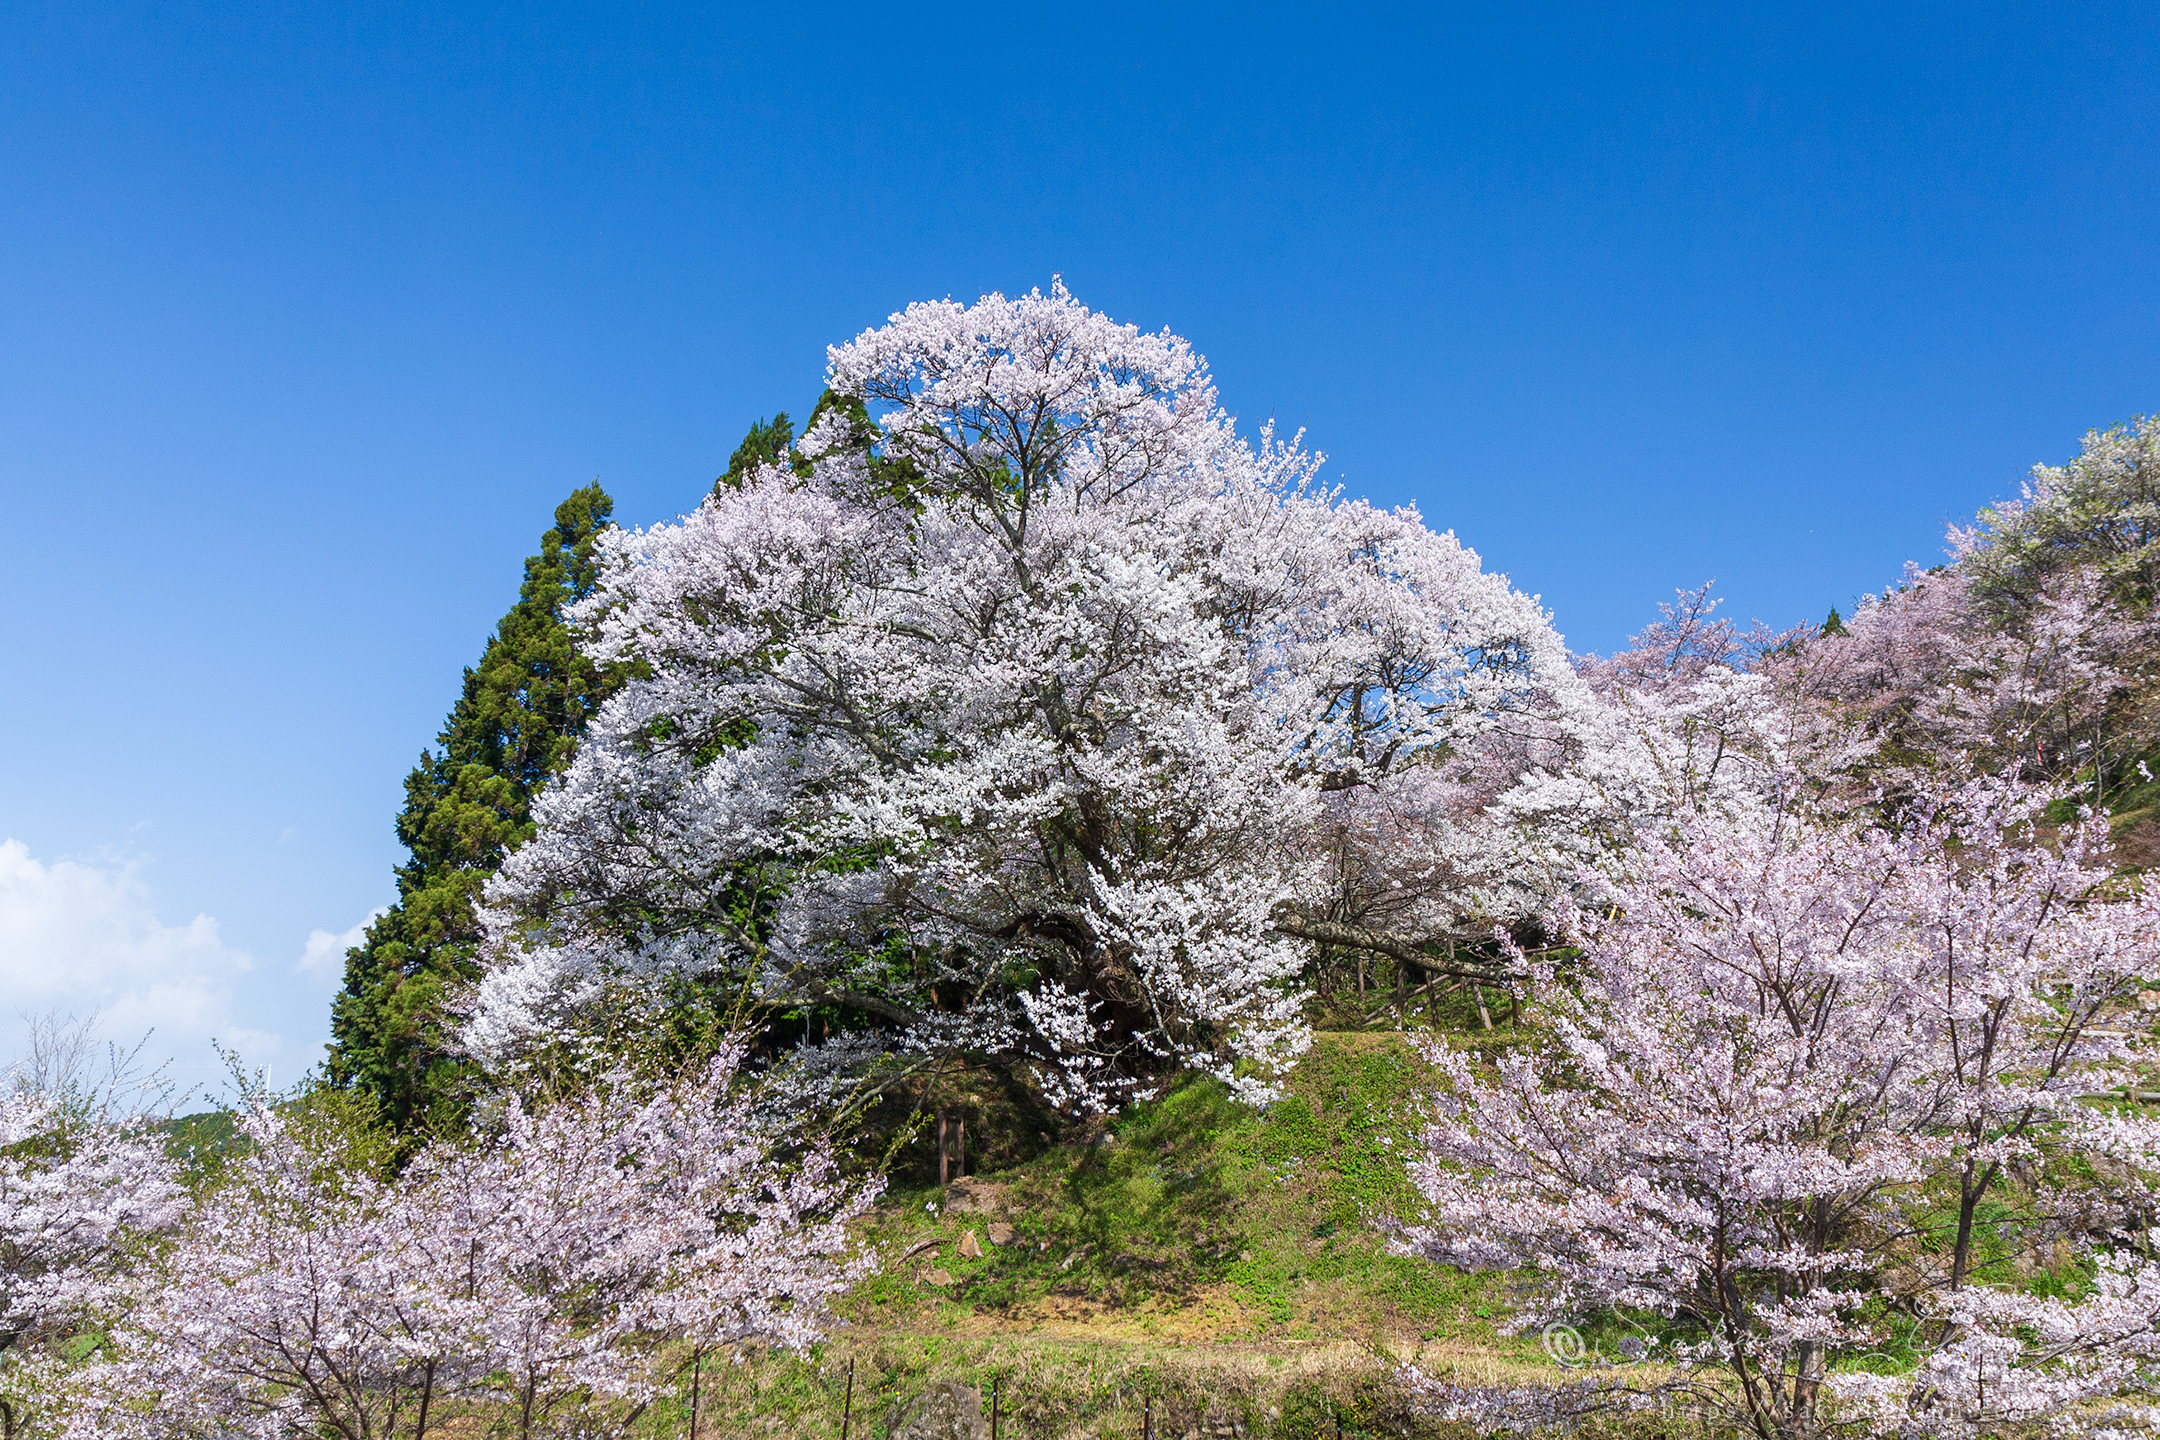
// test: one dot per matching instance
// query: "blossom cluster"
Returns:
(83, 1191)
(531, 1268)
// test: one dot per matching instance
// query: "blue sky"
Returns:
(309, 315)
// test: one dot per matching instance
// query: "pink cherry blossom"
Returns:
(85, 1189)
(531, 1268)
(1783, 1034)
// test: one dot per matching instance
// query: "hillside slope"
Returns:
(1224, 1267)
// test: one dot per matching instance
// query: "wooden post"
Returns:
(944, 1176)
(847, 1403)
(2099, 775)
(1361, 977)
(960, 1158)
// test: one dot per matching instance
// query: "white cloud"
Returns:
(85, 937)
(324, 957)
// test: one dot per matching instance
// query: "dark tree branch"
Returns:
(1407, 949)
(856, 1000)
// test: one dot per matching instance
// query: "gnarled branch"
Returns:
(1407, 949)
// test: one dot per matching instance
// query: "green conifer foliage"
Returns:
(762, 446)
(768, 440)
(467, 804)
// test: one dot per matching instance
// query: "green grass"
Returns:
(1194, 1215)
(1060, 1388)
(1223, 1259)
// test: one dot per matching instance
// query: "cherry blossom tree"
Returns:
(292, 1303)
(2044, 684)
(1691, 718)
(1039, 729)
(1944, 676)
(85, 1187)
(2100, 511)
(1797, 1067)
(1899, 649)
(531, 1269)
(584, 1227)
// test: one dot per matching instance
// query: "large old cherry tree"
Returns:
(1035, 713)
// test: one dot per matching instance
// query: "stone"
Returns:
(970, 1196)
(944, 1412)
(940, 1278)
(1002, 1233)
(970, 1246)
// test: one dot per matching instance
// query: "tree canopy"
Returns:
(1022, 709)
(468, 802)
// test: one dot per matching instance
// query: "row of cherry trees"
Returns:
(558, 1268)
(1816, 1122)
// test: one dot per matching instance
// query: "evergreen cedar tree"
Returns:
(466, 805)
(469, 804)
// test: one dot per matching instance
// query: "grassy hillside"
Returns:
(1226, 1264)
